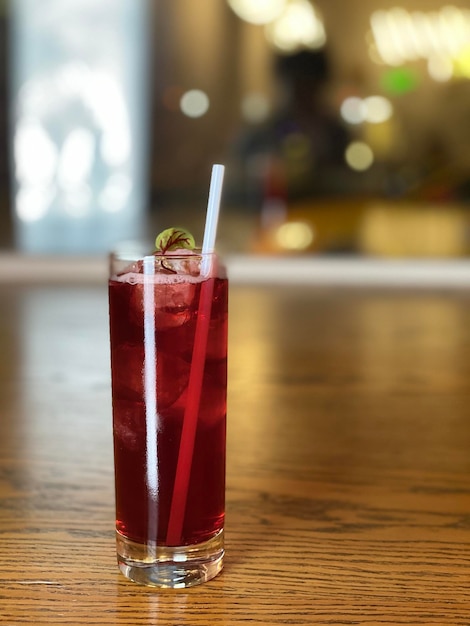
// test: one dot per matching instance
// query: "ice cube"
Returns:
(127, 368)
(213, 401)
(172, 379)
(173, 304)
(169, 303)
(129, 384)
(179, 262)
(217, 339)
(129, 422)
(174, 264)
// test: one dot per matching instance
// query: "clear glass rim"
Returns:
(211, 264)
(118, 256)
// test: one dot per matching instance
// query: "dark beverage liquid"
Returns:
(141, 515)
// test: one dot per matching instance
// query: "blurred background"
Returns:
(344, 126)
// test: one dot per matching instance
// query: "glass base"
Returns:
(172, 567)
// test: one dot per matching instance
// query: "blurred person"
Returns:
(299, 152)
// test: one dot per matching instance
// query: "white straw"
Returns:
(151, 414)
(212, 215)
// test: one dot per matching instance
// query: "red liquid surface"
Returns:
(141, 513)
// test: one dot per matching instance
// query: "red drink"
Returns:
(153, 321)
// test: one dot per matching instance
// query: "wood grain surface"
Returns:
(348, 478)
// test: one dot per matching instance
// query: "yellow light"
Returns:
(441, 69)
(400, 27)
(257, 11)
(299, 26)
(359, 156)
(401, 36)
(454, 27)
(377, 109)
(374, 55)
(462, 64)
(294, 236)
(384, 40)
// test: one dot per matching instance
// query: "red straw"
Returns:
(188, 434)
(196, 372)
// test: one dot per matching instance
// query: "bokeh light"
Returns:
(401, 36)
(76, 158)
(399, 80)
(440, 68)
(194, 103)
(32, 203)
(115, 193)
(359, 156)
(462, 63)
(352, 110)
(257, 11)
(377, 109)
(255, 107)
(299, 26)
(373, 109)
(294, 236)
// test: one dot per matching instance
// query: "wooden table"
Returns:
(348, 478)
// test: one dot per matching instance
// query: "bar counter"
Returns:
(348, 474)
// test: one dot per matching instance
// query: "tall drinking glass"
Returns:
(168, 331)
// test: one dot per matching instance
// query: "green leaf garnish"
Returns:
(174, 239)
